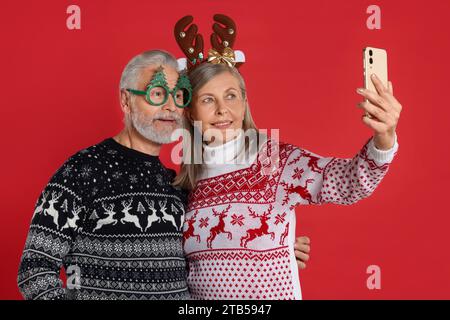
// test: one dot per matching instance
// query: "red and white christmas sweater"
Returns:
(239, 230)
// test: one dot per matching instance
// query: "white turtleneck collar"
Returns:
(225, 153)
(230, 156)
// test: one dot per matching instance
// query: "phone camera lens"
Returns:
(370, 52)
(371, 60)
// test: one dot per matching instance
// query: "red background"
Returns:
(60, 94)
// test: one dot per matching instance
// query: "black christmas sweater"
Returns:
(110, 217)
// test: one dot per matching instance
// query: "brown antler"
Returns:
(226, 34)
(189, 41)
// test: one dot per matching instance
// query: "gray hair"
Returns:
(130, 75)
(206, 71)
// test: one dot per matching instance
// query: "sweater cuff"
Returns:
(382, 156)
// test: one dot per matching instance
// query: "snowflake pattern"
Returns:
(86, 172)
(133, 178)
(67, 170)
(237, 219)
(297, 173)
(204, 222)
(280, 218)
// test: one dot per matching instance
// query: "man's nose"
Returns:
(170, 104)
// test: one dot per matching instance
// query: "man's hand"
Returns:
(301, 249)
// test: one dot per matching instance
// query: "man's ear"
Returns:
(125, 101)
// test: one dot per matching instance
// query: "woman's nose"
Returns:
(221, 107)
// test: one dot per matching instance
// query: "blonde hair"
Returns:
(187, 178)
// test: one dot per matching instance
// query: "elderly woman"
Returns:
(240, 223)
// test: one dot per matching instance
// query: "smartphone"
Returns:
(374, 61)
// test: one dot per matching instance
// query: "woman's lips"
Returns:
(222, 124)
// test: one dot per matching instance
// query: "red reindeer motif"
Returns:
(312, 162)
(301, 190)
(262, 230)
(190, 230)
(219, 228)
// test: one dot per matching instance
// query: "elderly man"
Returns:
(110, 215)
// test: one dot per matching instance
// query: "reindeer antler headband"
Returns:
(222, 41)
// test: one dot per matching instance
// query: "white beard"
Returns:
(144, 125)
